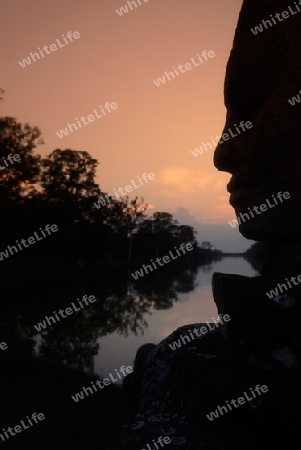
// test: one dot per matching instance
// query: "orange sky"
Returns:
(116, 59)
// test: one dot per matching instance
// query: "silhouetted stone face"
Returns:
(263, 73)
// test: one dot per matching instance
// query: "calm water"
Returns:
(196, 306)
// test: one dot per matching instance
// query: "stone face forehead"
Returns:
(259, 63)
(263, 72)
(252, 8)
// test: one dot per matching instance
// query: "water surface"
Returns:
(196, 306)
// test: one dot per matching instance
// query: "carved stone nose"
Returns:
(227, 157)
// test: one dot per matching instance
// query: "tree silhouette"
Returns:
(69, 175)
(68, 180)
(15, 138)
(207, 245)
(164, 221)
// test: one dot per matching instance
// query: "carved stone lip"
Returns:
(245, 185)
(242, 194)
(242, 183)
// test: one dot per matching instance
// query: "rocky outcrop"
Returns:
(260, 345)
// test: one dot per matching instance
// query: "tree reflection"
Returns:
(121, 307)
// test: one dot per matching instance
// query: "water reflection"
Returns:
(194, 305)
(126, 315)
(100, 338)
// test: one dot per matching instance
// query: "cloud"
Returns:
(201, 191)
(184, 180)
(151, 206)
(221, 235)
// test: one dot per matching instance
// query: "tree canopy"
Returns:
(61, 188)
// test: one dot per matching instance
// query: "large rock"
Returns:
(263, 72)
(179, 388)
